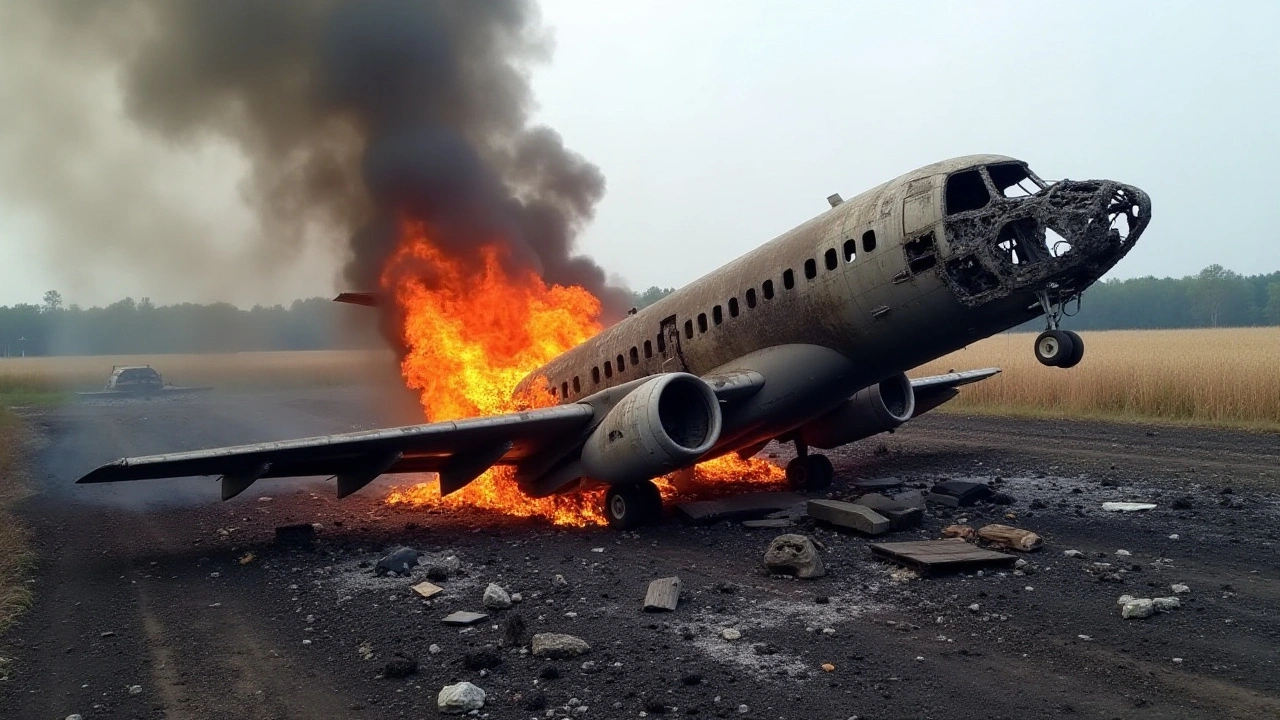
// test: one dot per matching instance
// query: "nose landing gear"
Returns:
(1055, 347)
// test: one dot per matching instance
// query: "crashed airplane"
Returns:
(805, 340)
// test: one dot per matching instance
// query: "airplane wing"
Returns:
(934, 390)
(459, 450)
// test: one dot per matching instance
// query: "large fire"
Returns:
(471, 334)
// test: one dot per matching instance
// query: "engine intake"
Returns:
(872, 410)
(661, 426)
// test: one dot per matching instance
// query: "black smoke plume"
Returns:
(350, 114)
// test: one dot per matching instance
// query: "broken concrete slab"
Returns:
(663, 595)
(794, 555)
(463, 617)
(932, 556)
(901, 515)
(738, 507)
(959, 493)
(426, 589)
(769, 523)
(844, 514)
(877, 483)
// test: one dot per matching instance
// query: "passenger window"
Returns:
(688, 329)
(810, 269)
(595, 375)
(702, 322)
(577, 386)
(553, 391)
(648, 348)
(662, 343)
(717, 315)
(621, 365)
(832, 259)
(869, 241)
(564, 389)
(850, 250)
(966, 191)
(788, 279)
(635, 356)
(768, 289)
(733, 307)
(751, 298)
(608, 369)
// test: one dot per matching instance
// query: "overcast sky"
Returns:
(719, 125)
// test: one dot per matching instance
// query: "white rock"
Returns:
(1021, 563)
(135, 689)
(1123, 553)
(730, 634)
(1140, 608)
(1180, 589)
(1127, 506)
(1124, 599)
(975, 607)
(832, 631)
(743, 709)
(434, 649)
(517, 597)
(557, 646)
(559, 581)
(74, 717)
(460, 698)
(1166, 604)
(1174, 536)
(1073, 553)
(495, 598)
(1178, 660)
(597, 550)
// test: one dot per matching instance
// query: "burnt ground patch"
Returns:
(193, 602)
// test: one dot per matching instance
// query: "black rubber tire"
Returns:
(1053, 348)
(653, 500)
(626, 507)
(811, 472)
(1077, 350)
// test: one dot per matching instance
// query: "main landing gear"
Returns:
(809, 472)
(1055, 347)
(630, 506)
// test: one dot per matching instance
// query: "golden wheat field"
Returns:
(1220, 376)
(33, 376)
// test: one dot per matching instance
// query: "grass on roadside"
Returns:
(14, 553)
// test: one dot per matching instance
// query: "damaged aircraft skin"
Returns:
(805, 339)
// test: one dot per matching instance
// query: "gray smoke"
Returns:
(349, 114)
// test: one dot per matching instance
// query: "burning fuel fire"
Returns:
(472, 332)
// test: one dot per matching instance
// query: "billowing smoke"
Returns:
(349, 114)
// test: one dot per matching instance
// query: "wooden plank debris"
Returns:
(738, 507)
(462, 617)
(426, 589)
(856, 517)
(663, 595)
(931, 556)
(1010, 537)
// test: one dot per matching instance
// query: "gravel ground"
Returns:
(156, 601)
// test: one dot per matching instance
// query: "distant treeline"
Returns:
(1214, 297)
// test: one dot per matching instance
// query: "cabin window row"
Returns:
(830, 259)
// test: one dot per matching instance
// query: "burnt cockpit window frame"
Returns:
(966, 190)
(1013, 180)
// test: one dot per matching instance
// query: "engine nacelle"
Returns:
(662, 425)
(872, 410)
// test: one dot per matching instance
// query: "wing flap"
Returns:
(935, 390)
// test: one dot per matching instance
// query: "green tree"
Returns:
(52, 301)
(650, 296)
(1220, 297)
(1272, 314)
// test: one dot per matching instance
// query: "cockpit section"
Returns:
(1008, 231)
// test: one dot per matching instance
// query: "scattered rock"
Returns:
(794, 555)
(559, 582)
(589, 666)
(828, 667)
(1125, 507)
(400, 666)
(481, 659)
(434, 649)
(1174, 536)
(399, 561)
(1123, 553)
(535, 701)
(460, 698)
(975, 607)
(135, 689)
(1179, 589)
(495, 598)
(964, 532)
(515, 631)
(1073, 553)
(558, 646)
(1165, 604)
(731, 634)
(1138, 608)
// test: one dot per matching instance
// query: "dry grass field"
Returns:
(49, 377)
(1224, 377)
(14, 595)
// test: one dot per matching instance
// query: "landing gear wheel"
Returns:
(1077, 350)
(1054, 348)
(630, 506)
(809, 472)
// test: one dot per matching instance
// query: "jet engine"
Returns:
(664, 424)
(872, 410)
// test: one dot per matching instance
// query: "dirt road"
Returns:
(156, 601)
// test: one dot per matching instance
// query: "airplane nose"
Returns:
(1128, 213)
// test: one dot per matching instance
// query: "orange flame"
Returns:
(471, 335)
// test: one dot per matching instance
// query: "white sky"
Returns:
(720, 124)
